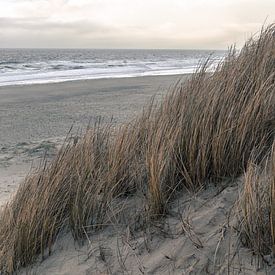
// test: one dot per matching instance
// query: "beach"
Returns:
(183, 188)
(137, 138)
(34, 119)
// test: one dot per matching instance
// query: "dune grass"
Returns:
(257, 206)
(204, 130)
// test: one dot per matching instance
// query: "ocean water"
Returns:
(31, 66)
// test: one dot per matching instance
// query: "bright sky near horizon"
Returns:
(199, 24)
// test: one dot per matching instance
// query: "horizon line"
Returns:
(86, 48)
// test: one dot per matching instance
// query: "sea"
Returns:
(34, 66)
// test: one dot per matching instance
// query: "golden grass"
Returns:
(204, 129)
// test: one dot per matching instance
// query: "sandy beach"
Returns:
(185, 188)
(137, 138)
(34, 119)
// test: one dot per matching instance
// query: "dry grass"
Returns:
(257, 206)
(203, 130)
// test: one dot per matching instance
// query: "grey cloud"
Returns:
(43, 24)
(40, 32)
(44, 33)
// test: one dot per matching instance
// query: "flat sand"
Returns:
(36, 118)
(36, 112)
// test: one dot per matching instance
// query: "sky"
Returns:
(180, 24)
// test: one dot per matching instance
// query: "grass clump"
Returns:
(257, 206)
(204, 129)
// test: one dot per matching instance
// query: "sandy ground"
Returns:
(34, 119)
(198, 236)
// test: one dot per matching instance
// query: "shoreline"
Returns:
(95, 79)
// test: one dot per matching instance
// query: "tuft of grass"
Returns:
(204, 129)
(257, 206)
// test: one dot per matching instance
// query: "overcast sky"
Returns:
(200, 24)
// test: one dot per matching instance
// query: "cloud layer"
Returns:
(211, 24)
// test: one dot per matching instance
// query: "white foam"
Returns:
(61, 71)
(20, 78)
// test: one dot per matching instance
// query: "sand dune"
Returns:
(185, 187)
(197, 237)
